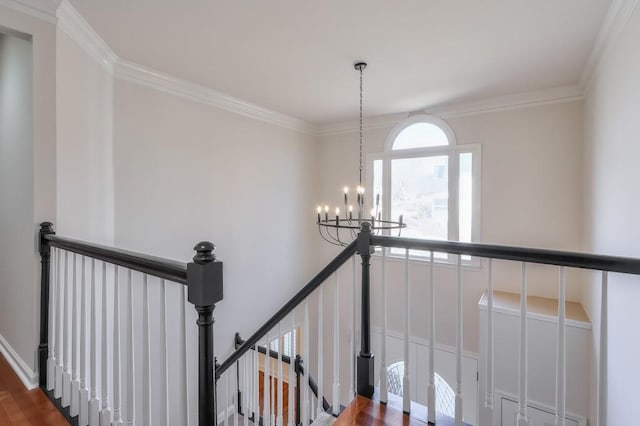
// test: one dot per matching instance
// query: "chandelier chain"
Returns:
(360, 126)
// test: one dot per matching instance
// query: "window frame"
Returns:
(452, 151)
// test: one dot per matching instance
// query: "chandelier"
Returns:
(342, 228)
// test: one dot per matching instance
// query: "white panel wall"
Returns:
(33, 187)
(612, 130)
(85, 151)
(16, 191)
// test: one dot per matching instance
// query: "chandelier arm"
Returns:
(330, 238)
(338, 235)
(323, 237)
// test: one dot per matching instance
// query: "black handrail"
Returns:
(596, 262)
(157, 266)
(325, 273)
(239, 341)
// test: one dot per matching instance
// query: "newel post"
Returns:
(365, 363)
(204, 281)
(46, 228)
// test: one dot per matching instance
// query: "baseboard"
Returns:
(26, 374)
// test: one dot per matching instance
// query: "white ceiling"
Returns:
(296, 56)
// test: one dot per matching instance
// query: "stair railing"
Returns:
(524, 256)
(88, 277)
(63, 374)
(297, 366)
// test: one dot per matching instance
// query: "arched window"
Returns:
(431, 181)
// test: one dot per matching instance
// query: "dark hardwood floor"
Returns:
(22, 407)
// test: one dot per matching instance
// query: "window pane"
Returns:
(419, 191)
(465, 191)
(420, 135)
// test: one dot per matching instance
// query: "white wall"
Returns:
(85, 151)
(16, 189)
(34, 195)
(186, 172)
(531, 196)
(612, 149)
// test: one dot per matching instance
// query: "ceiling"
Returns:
(296, 57)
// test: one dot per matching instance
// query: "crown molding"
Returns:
(139, 74)
(503, 103)
(614, 22)
(41, 9)
(78, 29)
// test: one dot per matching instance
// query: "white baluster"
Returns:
(320, 350)
(131, 369)
(57, 390)
(256, 386)
(459, 347)
(336, 347)
(384, 381)
(522, 418)
(75, 337)
(234, 398)
(266, 393)
(292, 357)
(305, 378)
(602, 363)
(66, 377)
(279, 418)
(105, 413)
(117, 400)
(94, 403)
(490, 357)
(561, 355)
(183, 306)
(83, 417)
(226, 400)
(245, 389)
(165, 347)
(431, 389)
(406, 383)
(273, 390)
(51, 353)
(146, 352)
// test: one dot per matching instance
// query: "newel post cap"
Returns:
(46, 228)
(204, 276)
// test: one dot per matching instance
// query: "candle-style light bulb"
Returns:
(350, 212)
(337, 211)
(326, 208)
(346, 189)
(319, 209)
(373, 212)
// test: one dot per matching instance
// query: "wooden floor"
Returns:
(363, 411)
(368, 412)
(22, 407)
